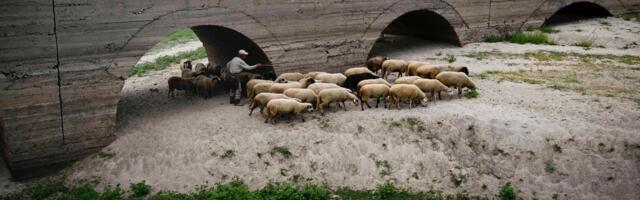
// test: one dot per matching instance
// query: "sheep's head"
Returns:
(424, 101)
(356, 102)
(281, 80)
(308, 107)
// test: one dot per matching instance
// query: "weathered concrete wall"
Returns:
(64, 62)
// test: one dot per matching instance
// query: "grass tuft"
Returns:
(507, 192)
(532, 38)
(549, 166)
(472, 94)
(140, 189)
(284, 151)
(165, 61)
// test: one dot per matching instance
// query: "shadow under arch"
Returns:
(577, 11)
(421, 24)
(222, 44)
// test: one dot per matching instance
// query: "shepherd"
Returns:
(233, 69)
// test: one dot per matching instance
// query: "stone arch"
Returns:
(233, 25)
(435, 10)
(548, 8)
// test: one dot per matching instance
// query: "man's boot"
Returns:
(232, 100)
(238, 102)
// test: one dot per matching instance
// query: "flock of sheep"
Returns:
(292, 94)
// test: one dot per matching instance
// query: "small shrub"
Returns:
(451, 58)
(46, 189)
(284, 151)
(106, 153)
(557, 148)
(549, 166)
(384, 166)
(315, 192)
(533, 38)
(228, 154)
(457, 180)
(281, 191)
(494, 39)
(472, 94)
(112, 193)
(584, 43)
(140, 189)
(507, 192)
(236, 189)
(385, 191)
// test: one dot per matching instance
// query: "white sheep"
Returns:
(376, 91)
(432, 86)
(312, 74)
(409, 92)
(318, 87)
(281, 87)
(286, 107)
(292, 76)
(390, 66)
(262, 99)
(373, 81)
(336, 78)
(260, 88)
(306, 95)
(252, 83)
(406, 80)
(339, 95)
(357, 70)
(457, 80)
(431, 71)
(413, 66)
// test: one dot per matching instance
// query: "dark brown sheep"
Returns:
(375, 63)
(185, 84)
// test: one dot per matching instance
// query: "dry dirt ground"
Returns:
(548, 135)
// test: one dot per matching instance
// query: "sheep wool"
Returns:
(373, 81)
(406, 80)
(285, 107)
(376, 91)
(339, 95)
(357, 70)
(457, 80)
(432, 86)
(336, 78)
(409, 92)
(262, 99)
(390, 66)
(305, 95)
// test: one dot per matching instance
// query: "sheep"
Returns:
(281, 87)
(187, 73)
(375, 63)
(318, 87)
(186, 65)
(305, 95)
(262, 99)
(373, 81)
(353, 80)
(339, 95)
(251, 84)
(200, 68)
(410, 92)
(336, 78)
(286, 107)
(357, 70)
(390, 66)
(294, 76)
(432, 86)
(261, 88)
(212, 70)
(413, 66)
(457, 80)
(178, 83)
(372, 91)
(312, 74)
(406, 80)
(205, 86)
(430, 72)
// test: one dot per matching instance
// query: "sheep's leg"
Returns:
(459, 91)
(344, 106)
(362, 103)
(302, 118)
(266, 119)
(251, 108)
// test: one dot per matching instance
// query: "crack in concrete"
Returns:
(57, 66)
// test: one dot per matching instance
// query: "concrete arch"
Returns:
(227, 19)
(548, 8)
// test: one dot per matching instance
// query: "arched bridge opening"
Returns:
(577, 11)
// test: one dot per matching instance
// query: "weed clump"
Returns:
(284, 151)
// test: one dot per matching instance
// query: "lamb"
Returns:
(305, 95)
(187, 73)
(353, 80)
(410, 92)
(177, 83)
(339, 95)
(312, 74)
(413, 66)
(294, 76)
(375, 63)
(281, 87)
(252, 83)
(432, 86)
(430, 72)
(372, 91)
(390, 66)
(373, 81)
(286, 107)
(200, 68)
(357, 70)
(406, 80)
(336, 78)
(457, 80)
(262, 99)
(318, 87)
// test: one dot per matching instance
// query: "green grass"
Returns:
(284, 151)
(412, 123)
(106, 154)
(494, 39)
(549, 166)
(165, 61)
(584, 43)
(237, 189)
(472, 94)
(532, 38)
(176, 38)
(229, 153)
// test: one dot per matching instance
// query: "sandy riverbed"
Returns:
(508, 134)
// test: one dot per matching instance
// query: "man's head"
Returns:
(242, 53)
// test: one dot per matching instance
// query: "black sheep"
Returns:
(353, 80)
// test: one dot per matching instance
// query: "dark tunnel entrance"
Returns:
(222, 44)
(415, 30)
(577, 11)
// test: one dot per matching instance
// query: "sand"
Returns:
(507, 134)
